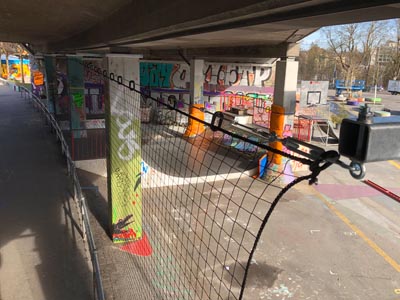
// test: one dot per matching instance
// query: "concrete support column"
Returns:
(196, 98)
(75, 74)
(196, 81)
(124, 150)
(283, 108)
(51, 82)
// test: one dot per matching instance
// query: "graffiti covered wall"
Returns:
(15, 68)
(62, 103)
(37, 77)
(217, 77)
(232, 77)
(94, 90)
(162, 79)
(165, 75)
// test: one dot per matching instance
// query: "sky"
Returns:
(318, 37)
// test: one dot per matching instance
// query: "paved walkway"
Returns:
(338, 240)
(40, 254)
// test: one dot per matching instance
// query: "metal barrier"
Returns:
(41, 105)
(258, 108)
(88, 143)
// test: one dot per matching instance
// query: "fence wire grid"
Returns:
(203, 208)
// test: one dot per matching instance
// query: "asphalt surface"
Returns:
(41, 253)
(338, 240)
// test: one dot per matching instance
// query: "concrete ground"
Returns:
(337, 240)
(389, 101)
(41, 253)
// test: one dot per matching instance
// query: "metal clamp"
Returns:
(220, 117)
(132, 85)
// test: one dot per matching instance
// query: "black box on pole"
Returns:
(363, 142)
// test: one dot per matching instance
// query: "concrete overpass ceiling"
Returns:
(179, 18)
(254, 35)
(202, 27)
(253, 44)
(47, 21)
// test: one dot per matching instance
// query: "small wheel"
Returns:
(357, 170)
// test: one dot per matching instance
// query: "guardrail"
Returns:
(78, 195)
(87, 143)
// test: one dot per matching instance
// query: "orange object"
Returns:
(277, 126)
(38, 78)
(195, 127)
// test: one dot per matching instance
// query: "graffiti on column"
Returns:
(37, 77)
(125, 163)
(76, 90)
(62, 98)
(94, 89)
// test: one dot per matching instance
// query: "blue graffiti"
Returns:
(155, 74)
(144, 167)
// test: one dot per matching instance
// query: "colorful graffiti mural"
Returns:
(94, 90)
(37, 80)
(14, 71)
(62, 103)
(165, 75)
(217, 77)
(164, 79)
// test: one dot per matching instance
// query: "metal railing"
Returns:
(87, 143)
(41, 104)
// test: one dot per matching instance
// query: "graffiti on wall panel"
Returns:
(165, 75)
(217, 77)
(94, 89)
(14, 71)
(90, 76)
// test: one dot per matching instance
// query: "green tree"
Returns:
(393, 69)
(343, 42)
(316, 64)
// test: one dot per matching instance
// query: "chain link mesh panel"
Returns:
(203, 205)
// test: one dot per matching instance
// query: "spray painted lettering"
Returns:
(126, 131)
(221, 76)
(216, 76)
(164, 75)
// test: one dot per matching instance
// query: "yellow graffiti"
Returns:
(15, 71)
(397, 291)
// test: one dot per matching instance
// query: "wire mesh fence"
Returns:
(203, 206)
